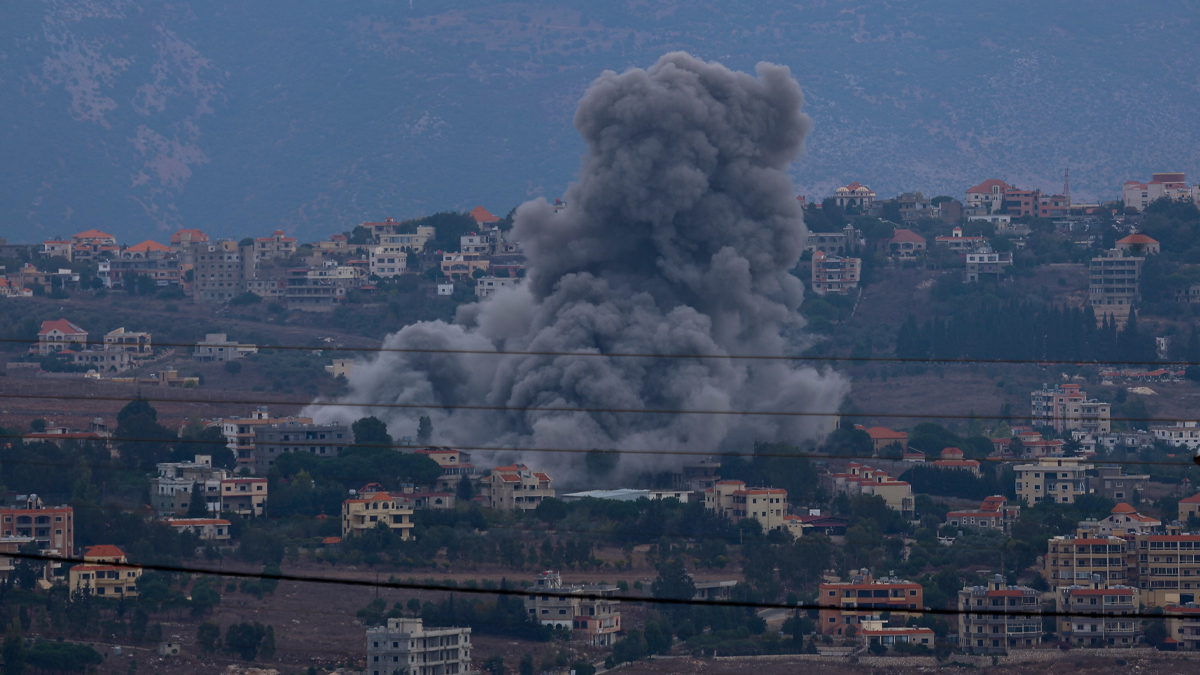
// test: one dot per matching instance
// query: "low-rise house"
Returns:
(732, 498)
(150, 259)
(409, 242)
(834, 243)
(516, 486)
(952, 458)
(714, 590)
(362, 513)
(999, 617)
(104, 361)
(60, 334)
(244, 496)
(592, 619)
(994, 513)
(405, 646)
(985, 264)
(854, 196)
(487, 286)
(278, 245)
(1189, 507)
(93, 244)
(989, 194)
(208, 529)
(1138, 245)
(455, 464)
(1181, 434)
(1139, 195)
(1103, 615)
(217, 347)
(959, 243)
(848, 603)
(340, 367)
(882, 437)
(860, 479)
(874, 632)
(54, 248)
(459, 265)
(128, 341)
(1123, 521)
(905, 243)
(106, 573)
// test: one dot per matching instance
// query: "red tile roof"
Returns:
(1137, 239)
(62, 325)
(147, 246)
(884, 433)
(986, 186)
(903, 235)
(103, 551)
(196, 521)
(1194, 499)
(93, 234)
(1123, 508)
(482, 215)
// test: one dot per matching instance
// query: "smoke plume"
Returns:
(677, 238)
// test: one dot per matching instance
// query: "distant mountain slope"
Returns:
(140, 116)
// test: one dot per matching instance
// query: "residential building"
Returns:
(1181, 434)
(1018, 203)
(150, 259)
(1113, 484)
(1056, 479)
(483, 216)
(220, 270)
(1066, 407)
(455, 464)
(999, 617)
(217, 347)
(1168, 567)
(1123, 521)
(995, 513)
(52, 527)
(988, 194)
(473, 242)
(862, 480)
(408, 243)
(1103, 614)
(406, 647)
(103, 361)
(388, 261)
(516, 486)
(1076, 559)
(128, 341)
(984, 264)
(952, 458)
(487, 286)
(732, 498)
(1113, 283)
(340, 368)
(854, 196)
(833, 527)
(957, 242)
(1053, 206)
(278, 245)
(457, 265)
(882, 438)
(833, 274)
(1183, 625)
(873, 632)
(914, 206)
(58, 335)
(1138, 245)
(1189, 507)
(320, 290)
(950, 211)
(244, 496)
(187, 238)
(208, 529)
(322, 440)
(239, 432)
(174, 488)
(369, 509)
(11, 289)
(594, 619)
(847, 603)
(905, 243)
(1137, 195)
(106, 573)
(52, 248)
(92, 245)
(835, 243)
(29, 277)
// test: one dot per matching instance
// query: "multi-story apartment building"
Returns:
(847, 603)
(455, 464)
(766, 505)
(1066, 407)
(239, 432)
(1077, 559)
(174, 488)
(388, 260)
(1112, 606)
(1138, 195)
(473, 242)
(54, 248)
(1168, 567)
(52, 527)
(1113, 283)
(1060, 480)
(994, 514)
(1112, 483)
(1183, 625)
(105, 573)
(487, 286)
(589, 611)
(244, 496)
(93, 245)
(999, 617)
(835, 243)
(833, 274)
(148, 258)
(220, 271)
(985, 264)
(516, 486)
(278, 245)
(862, 480)
(409, 242)
(128, 341)
(365, 511)
(460, 265)
(322, 440)
(1181, 434)
(406, 647)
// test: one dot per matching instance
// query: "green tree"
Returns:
(208, 636)
(244, 639)
(494, 666)
(267, 650)
(13, 649)
(370, 431)
(198, 503)
(466, 490)
(551, 510)
(526, 665)
(673, 581)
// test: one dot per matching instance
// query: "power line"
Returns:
(522, 593)
(564, 409)
(651, 355)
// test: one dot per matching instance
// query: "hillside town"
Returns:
(1062, 523)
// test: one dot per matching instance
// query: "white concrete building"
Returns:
(488, 286)
(388, 260)
(1139, 195)
(406, 647)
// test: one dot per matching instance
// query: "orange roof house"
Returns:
(882, 437)
(188, 236)
(1138, 244)
(147, 246)
(61, 325)
(94, 235)
(482, 215)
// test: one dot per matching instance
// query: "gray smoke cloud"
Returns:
(677, 238)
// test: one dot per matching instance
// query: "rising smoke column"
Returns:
(678, 238)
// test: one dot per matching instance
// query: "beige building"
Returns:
(278, 245)
(244, 496)
(106, 573)
(1183, 625)
(860, 479)
(220, 271)
(1122, 521)
(239, 432)
(1168, 567)
(513, 487)
(1057, 479)
(455, 464)
(406, 647)
(834, 274)
(364, 513)
(58, 335)
(1066, 408)
(456, 265)
(994, 514)
(1076, 559)
(592, 619)
(209, 529)
(128, 341)
(999, 617)
(1116, 627)
(1113, 284)
(388, 261)
(766, 505)
(1189, 507)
